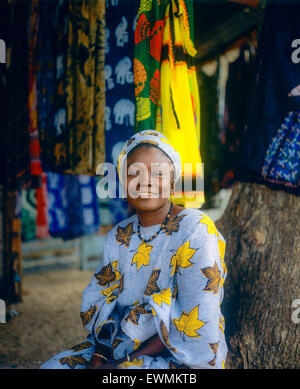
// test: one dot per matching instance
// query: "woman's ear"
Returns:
(173, 185)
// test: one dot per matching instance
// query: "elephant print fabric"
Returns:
(119, 86)
(119, 83)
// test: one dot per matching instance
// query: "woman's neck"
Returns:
(158, 216)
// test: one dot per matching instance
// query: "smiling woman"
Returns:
(154, 301)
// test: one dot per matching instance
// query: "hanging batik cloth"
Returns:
(72, 205)
(34, 144)
(14, 144)
(147, 55)
(270, 147)
(180, 104)
(85, 95)
(34, 212)
(61, 140)
(166, 88)
(119, 88)
(12, 257)
(46, 81)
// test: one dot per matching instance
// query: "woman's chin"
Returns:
(147, 203)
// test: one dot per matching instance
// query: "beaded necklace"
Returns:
(161, 227)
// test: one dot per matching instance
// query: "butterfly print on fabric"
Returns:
(124, 234)
(81, 346)
(87, 316)
(73, 361)
(175, 291)
(121, 284)
(212, 362)
(174, 365)
(165, 335)
(116, 343)
(135, 313)
(106, 275)
(214, 277)
(214, 348)
(172, 225)
(152, 286)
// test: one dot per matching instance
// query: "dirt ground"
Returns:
(48, 320)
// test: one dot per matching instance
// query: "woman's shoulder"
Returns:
(197, 221)
(193, 215)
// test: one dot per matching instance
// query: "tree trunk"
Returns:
(262, 231)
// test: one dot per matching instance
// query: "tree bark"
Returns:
(262, 231)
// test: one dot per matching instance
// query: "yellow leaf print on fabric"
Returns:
(116, 343)
(188, 323)
(101, 324)
(163, 296)
(221, 324)
(137, 344)
(110, 299)
(222, 246)
(135, 362)
(142, 256)
(183, 254)
(211, 228)
(117, 273)
(108, 291)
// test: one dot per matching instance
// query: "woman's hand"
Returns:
(95, 363)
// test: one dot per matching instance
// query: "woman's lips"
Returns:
(146, 194)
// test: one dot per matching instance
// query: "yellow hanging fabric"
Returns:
(179, 115)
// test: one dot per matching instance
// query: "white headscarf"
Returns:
(150, 137)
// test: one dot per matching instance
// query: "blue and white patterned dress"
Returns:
(172, 286)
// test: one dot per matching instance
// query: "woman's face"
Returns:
(149, 178)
